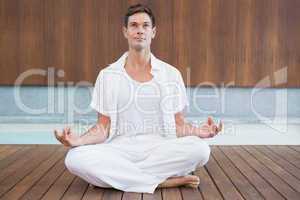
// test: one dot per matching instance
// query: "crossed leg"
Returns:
(103, 166)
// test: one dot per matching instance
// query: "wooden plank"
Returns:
(59, 187)
(295, 147)
(21, 187)
(244, 186)
(3, 147)
(280, 161)
(157, 195)
(260, 184)
(224, 184)
(93, 193)
(13, 166)
(268, 175)
(76, 190)
(43, 185)
(8, 151)
(288, 150)
(190, 193)
(31, 43)
(291, 151)
(31, 162)
(207, 186)
(290, 41)
(55, 35)
(19, 154)
(132, 196)
(171, 194)
(279, 171)
(164, 42)
(10, 43)
(112, 194)
(285, 154)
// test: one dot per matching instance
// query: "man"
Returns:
(141, 140)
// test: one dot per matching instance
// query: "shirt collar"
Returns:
(155, 66)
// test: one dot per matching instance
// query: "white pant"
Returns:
(137, 164)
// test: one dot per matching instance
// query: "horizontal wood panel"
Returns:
(243, 43)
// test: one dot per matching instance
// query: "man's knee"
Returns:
(200, 150)
(73, 161)
(80, 165)
(84, 158)
(69, 161)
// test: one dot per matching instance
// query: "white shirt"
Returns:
(108, 88)
(139, 107)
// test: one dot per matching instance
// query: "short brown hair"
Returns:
(139, 8)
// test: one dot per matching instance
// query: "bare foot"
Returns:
(188, 181)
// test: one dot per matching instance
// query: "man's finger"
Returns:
(64, 137)
(56, 134)
(210, 120)
(205, 126)
(68, 129)
(220, 126)
(214, 128)
(65, 134)
(59, 137)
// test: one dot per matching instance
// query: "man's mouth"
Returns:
(139, 38)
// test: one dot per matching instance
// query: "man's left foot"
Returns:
(188, 181)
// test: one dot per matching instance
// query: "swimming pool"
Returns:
(270, 116)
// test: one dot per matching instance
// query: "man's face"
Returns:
(139, 31)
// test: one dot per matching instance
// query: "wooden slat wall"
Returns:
(230, 42)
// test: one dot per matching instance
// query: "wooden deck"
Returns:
(233, 172)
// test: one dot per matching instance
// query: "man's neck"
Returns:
(139, 60)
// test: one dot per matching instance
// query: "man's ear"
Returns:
(125, 32)
(153, 32)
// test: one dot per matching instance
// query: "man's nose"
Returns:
(140, 30)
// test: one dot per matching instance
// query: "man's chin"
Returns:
(138, 47)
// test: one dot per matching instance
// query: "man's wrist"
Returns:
(79, 142)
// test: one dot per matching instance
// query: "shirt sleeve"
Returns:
(181, 99)
(100, 98)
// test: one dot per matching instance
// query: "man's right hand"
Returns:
(210, 129)
(67, 138)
